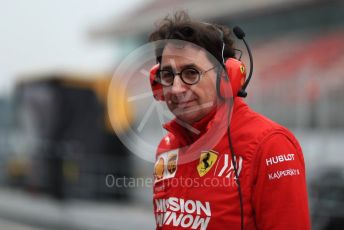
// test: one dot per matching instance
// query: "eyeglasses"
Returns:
(189, 76)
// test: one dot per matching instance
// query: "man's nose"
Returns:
(178, 85)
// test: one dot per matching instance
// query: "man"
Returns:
(253, 177)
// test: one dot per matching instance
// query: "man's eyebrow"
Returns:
(169, 67)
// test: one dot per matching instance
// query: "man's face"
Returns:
(189, 103)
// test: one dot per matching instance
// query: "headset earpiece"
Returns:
(236, 73)
(156, 86)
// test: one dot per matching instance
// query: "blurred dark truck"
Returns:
(64, 138)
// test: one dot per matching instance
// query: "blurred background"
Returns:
(57, 145)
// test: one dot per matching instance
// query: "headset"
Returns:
(234, 81)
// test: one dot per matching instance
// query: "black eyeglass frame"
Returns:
(200, 74)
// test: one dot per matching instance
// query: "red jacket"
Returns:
(201, 192)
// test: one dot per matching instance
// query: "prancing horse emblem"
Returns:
(206, 162)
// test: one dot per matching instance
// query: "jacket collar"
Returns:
(188, 133)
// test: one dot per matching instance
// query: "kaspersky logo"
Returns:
(177, 212)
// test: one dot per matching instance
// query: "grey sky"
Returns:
(47, 35)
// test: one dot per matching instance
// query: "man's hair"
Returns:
(208, 36)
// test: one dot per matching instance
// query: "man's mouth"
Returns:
(185, 104)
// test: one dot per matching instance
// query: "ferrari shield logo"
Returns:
(206, 162)
(242, 69)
